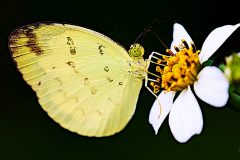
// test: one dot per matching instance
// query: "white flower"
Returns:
(210, 85)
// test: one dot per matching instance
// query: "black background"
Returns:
(26, 132)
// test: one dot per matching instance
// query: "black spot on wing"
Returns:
(71, 46)
(71, 64)
(70, 41)
(106, 68)
(100, 48)
(86, 81)
(92, 88)
(109, 79)
(73, 50)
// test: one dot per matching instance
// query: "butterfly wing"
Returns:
(82, 78)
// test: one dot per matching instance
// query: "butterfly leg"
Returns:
(147, 80)
(148, 62)
(149, 89)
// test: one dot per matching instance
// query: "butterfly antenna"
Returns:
(148, 30)
(150, 26)
(151, 31)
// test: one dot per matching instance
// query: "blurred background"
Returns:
(26, 132)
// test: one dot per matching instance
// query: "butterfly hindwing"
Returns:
(82, 78)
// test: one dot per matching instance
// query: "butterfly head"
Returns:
(136, 50)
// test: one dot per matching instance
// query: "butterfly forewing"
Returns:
(82, 78)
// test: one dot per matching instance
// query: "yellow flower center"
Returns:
(179, 70)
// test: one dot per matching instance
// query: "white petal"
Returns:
(212, 86)
(166, 101)
(215, 39)
(179, 33)
(185, 118)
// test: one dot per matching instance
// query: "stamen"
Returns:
(185, 43)
(176, 49)
(158, 69)
(156, 88)
(193, 47)
(177, 71)
(170, 52)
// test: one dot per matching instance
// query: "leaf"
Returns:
(207, 63)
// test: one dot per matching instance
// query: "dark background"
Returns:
(26, 132)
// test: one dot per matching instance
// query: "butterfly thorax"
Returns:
(137, 64)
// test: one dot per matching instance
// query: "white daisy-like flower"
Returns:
(181, 70)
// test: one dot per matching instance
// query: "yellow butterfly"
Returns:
(85, 81)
